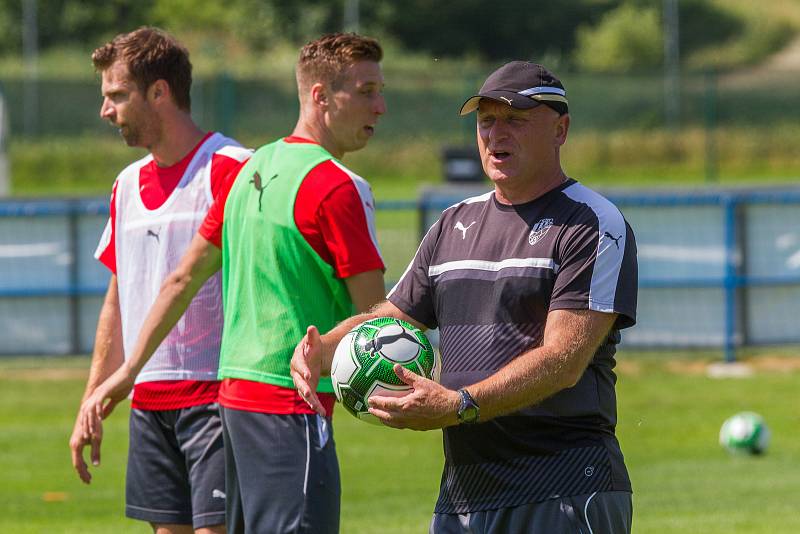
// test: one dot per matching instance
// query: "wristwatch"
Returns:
(469, 411)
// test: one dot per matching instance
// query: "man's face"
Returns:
(515, 145)
(126, 106)
(355, 106)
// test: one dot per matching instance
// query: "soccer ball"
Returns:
(745, 432)
(363, 363)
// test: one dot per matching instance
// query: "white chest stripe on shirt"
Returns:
(472, 200)
(164, 219)
(493, 266)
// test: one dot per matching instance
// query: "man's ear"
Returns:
(158, 91)
(562, 128)
(319, 95)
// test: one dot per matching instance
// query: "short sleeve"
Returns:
(335, 212)
(346, 219)
(106, 250)
(224, 167)
(598, 270)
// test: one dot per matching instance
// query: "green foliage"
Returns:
(508, 30)
(256, 24)
(190, 14)
(628, 38)
(253, 22)
(714, 32)
(711, 34)
(69, 166)
(10, 36)
(758, 39)
(702, 25)
(63, 22)
(398, 167)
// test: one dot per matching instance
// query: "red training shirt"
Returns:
(337, 220)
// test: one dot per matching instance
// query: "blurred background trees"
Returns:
(715, 84)
(598, 35)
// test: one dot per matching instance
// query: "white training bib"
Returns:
(149, 245)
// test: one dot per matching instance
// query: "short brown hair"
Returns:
(150, 54)
(325, 59)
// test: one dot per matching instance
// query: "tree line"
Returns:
(594, 34)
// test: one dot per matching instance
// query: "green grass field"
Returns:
(669, 412)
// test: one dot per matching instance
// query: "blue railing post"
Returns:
(731, 280)
(74, 278)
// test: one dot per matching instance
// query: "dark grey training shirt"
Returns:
(487, 274)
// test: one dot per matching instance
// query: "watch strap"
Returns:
(468, 410)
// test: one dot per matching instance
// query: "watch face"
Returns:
(469, 414)
(468, 411)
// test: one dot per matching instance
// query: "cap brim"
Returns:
(509, 98)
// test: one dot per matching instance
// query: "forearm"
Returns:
(108, 354)
(527, 380)
(570, 341)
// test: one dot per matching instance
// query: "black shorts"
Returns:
(282, 474)
(176, 467)
(608, 512)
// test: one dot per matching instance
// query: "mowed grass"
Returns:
(669, 410)
(684, 482)
(389, 477)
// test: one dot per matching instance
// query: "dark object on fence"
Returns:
(462, 164)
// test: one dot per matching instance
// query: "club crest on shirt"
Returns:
(539, 230)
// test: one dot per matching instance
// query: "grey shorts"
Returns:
(607, 512)
(176, 467)
(282, 474)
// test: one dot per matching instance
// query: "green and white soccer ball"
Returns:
(363, 363)
(745, 432)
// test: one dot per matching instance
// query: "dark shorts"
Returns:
(607, 512)
(281, 473)
(176, 467)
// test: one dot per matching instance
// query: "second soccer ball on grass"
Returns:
(363, 364)
(745, 432)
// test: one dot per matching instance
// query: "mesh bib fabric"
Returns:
(274, 283)
(149, 245)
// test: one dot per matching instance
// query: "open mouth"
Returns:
(369, 129)
(500, 155)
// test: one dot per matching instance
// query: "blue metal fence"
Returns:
(718, 269)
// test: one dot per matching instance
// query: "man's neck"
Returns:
(314, 130)
(178, 138)
(531, 190)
